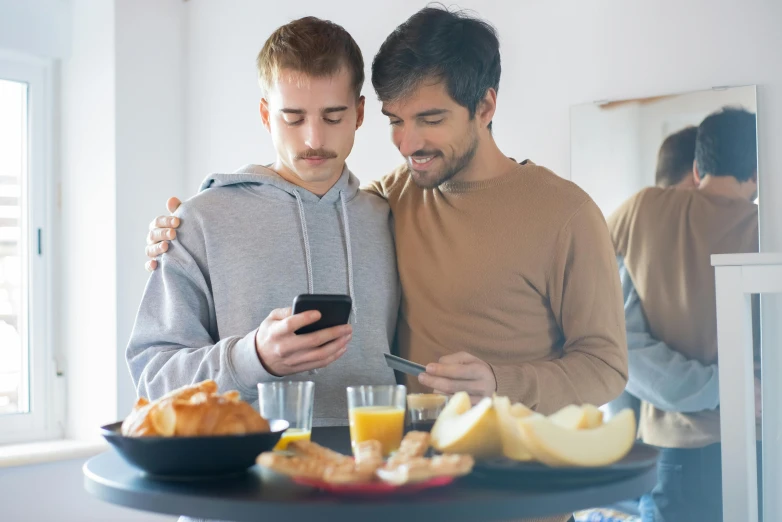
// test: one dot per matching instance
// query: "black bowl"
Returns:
(531, 475)
(193, 457)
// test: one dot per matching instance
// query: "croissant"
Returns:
(191, 411)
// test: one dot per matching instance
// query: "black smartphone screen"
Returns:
(334, 310)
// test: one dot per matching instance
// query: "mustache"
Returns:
(316, 153)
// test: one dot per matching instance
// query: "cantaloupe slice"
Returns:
(510, 435)
(473, 432)
(555, 445)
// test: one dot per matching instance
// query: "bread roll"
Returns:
(194, 411)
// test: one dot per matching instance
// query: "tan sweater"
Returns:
(667, 237)
(518, 271)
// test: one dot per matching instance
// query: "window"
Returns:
(26, 370)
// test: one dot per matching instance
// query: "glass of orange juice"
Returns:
(377, 413)
(290, 401)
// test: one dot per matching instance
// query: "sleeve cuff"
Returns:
(516, 382)
(246, 366)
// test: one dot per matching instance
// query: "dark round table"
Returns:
(260, 496)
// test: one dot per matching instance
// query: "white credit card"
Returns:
(403, 365)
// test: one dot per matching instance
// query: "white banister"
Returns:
(738, 276)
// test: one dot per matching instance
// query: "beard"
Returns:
(451, 167)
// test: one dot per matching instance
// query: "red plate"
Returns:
(374, 489)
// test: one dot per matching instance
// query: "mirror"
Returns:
(676, 177)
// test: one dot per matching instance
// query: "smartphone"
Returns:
(334, 310)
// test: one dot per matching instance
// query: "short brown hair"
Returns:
(676, 157)
(311, 46)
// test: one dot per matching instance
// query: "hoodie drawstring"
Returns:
(303, 219)
(350, 254)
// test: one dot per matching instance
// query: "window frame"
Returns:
(44, 420)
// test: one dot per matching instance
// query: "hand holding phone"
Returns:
(284, 352)
(334, 310)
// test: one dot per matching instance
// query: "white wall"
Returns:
(50, 19)
(606, 152)
(119, 148)
(87, 268)
(123, 151)
(149, 147)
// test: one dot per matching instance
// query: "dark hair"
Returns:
(676, 156)
(311, 46)
(727, 144)
(450, 46)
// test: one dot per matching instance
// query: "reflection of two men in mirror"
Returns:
(664, 237)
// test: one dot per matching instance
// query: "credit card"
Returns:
(403, 365)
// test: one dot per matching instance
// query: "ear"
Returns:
(360, 112)
(695, 174)
(486, 108)
(264, 109)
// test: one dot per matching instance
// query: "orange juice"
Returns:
(290, 435)
(382, 423)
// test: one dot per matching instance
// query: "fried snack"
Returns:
(415, 444)
(313, 450)
(303, 467)
(347, 473)
(195, 410)
(369, 457)
(420, 469)
(314, 462)
(369, 454)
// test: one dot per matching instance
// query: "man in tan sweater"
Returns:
(667, 237)
(509, 279)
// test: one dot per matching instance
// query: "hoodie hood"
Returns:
(265, 180)
(269, 182)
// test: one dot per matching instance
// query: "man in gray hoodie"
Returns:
(250, 241)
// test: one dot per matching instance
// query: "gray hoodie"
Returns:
(249, 242)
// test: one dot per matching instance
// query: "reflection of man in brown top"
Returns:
(667, 237)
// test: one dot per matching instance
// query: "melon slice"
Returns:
(555, 445)
(578, 417)
(457, 405)
(473, 431)
(510, 435)
(570, 417)
(593, 416)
